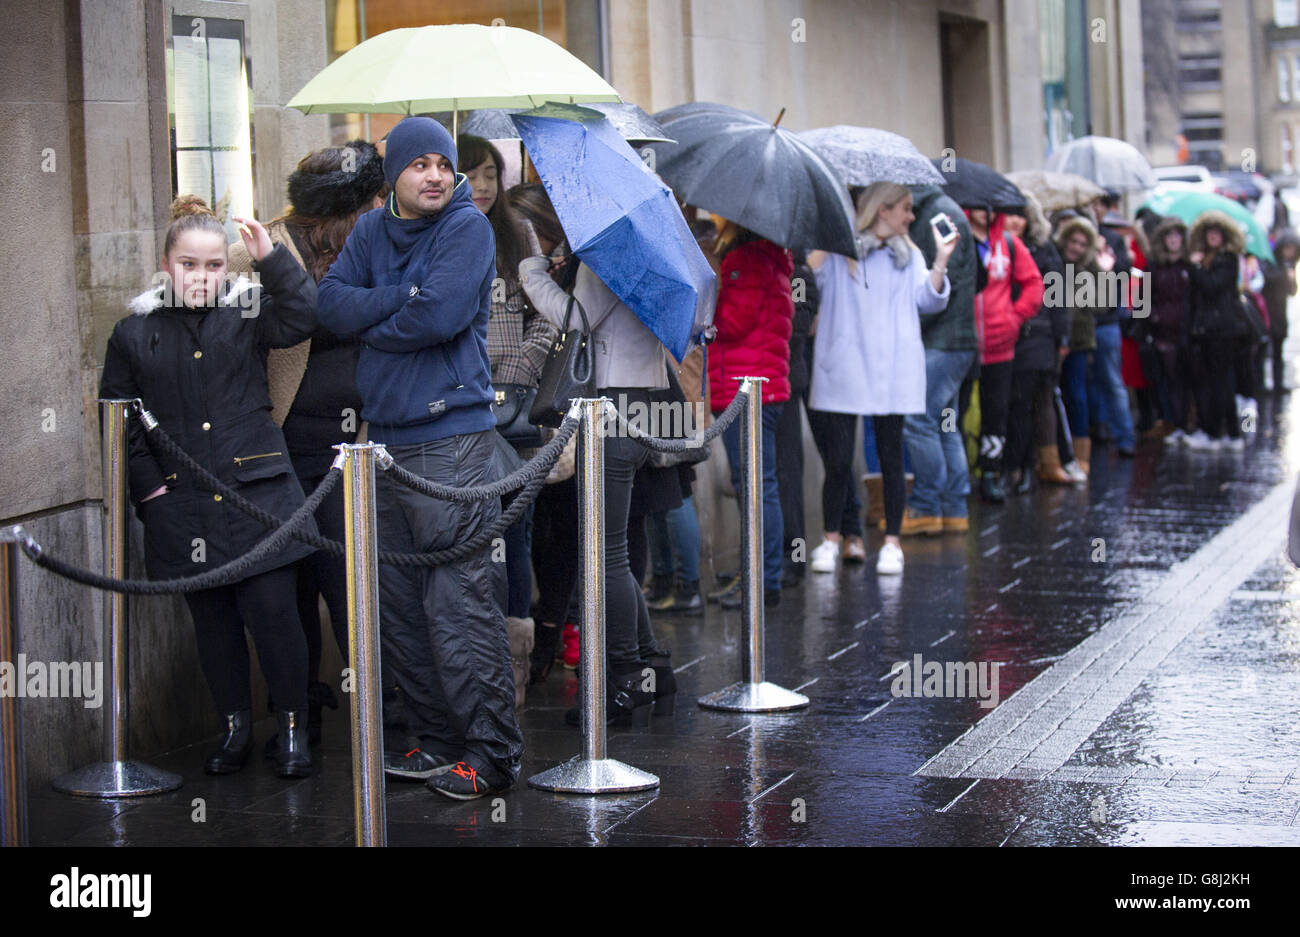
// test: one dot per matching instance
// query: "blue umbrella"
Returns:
(624, 224)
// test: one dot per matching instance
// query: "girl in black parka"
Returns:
(194, 351)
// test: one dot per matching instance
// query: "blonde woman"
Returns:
(868, 358)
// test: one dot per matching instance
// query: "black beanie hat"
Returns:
(341, 191)
(412, 137)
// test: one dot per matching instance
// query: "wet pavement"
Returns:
(1148, 631)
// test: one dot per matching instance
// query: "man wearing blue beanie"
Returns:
(414, 282)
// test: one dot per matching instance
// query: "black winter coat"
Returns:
(202, 373)
(1041, 336)
(1215, 300)
(1170, 298)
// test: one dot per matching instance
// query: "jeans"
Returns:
(773, 529)
(1074, 386)
(1107, 393)
(934, 439)
(519, 570)
(675, 533)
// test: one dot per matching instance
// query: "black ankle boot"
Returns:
(545, 641)
(627, 703)
(292, 751)
(991, 487)
(665, 685)
(233, 753)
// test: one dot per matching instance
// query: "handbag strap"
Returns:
(568, 313)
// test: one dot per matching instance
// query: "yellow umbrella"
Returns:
(450, 68)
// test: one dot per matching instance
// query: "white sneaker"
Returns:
(1075, 471)
(1213, 444)
(1177, 438)
(824, 556)
(1198, 440)
(890, 562)
(1234, 445)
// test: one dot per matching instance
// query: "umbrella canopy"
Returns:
(630, 121)
(974, 185)
(863, 155)
(1190, 205)
(442, 68)
(1110, 163)
(624, 224)
(756, 174)
(1056, 190)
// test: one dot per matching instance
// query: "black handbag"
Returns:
(569, 372)
(512, 405)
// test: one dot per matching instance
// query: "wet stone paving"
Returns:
(1148, 631)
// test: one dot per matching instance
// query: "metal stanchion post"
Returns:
(593, 772)
(370, 815)
(116, 775)
(13, 768)
(753, 694)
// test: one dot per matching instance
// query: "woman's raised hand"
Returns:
(254, 236)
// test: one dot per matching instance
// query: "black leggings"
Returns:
(265, 604)
(1213, 379)
(834, 434)
(995, 404)
(323, 574)
(889, 449)
(555, 550)
(1032, 424)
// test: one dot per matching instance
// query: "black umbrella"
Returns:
(974, 185)
(756, 174)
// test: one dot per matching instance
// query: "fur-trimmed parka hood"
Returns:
(1069, 227)
(1158, 253)
(154, 298)
(1234, 242)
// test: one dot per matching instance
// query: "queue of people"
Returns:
(408, 298)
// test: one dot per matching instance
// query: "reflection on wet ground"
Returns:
(1194, 742)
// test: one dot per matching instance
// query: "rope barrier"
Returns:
(720, 424)
(231, 572)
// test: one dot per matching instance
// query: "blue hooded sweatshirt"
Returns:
(417, 293)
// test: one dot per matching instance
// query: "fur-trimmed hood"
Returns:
(1158, 252)
(1069, 227)
(154, 299)
(1037, 230)
(1234, 242)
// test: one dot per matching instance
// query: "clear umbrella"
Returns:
(863, 155)
(1110, 163)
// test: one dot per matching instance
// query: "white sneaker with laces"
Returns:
(824, 556)
(890, 562)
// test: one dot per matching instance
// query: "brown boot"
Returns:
(1049, 466)
(1083, 453)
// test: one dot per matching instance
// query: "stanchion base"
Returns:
(586, 776)
(107, 779)
(754, 698)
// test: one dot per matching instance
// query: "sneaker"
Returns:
(687, 602)
(415, 765)
(1234, 444)
(855, 551)
(890, 561)
(1198, 440)
(461, 782)
(1177, 437)
(731, 587)
(824, 556)
(572, 653)
(1075, 471)
(1213, 444)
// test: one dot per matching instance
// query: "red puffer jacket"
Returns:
(753, 318)
(997, 318)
